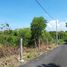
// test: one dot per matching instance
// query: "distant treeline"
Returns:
(32, 36)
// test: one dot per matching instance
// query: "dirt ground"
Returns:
(9, 56)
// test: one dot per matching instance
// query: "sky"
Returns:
(19, 13)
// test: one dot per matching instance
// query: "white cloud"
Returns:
(51, 25)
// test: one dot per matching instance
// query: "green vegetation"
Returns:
(37, 26)
(33, 36)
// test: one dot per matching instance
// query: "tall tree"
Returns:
(37, 26)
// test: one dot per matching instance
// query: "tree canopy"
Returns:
(37, 26)
(32, 36)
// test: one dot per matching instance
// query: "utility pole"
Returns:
(56, 34)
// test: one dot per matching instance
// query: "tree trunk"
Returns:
(39, 44)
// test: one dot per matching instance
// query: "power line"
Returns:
(50, 17)
(43, 9)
